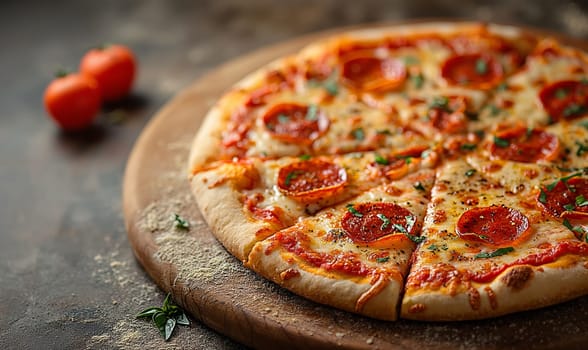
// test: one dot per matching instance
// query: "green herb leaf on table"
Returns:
(181, 223)
(166, 317)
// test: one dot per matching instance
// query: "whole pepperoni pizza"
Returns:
(429, 172)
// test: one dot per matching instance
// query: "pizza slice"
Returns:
(353, 256)
(248, 200)
(519, 156)
(490, 252)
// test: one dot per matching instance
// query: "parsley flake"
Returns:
(581, 201)
(381, 160)
(291, 176)
(305, 157)
(419, 186)
(383, 260)
(481, 66)
(582, 148)
(385, 221)
(358, 134)
(417, 80)
(468, 146)
(353, 211)
(470, 172)
(500, 142)
(497, 252)
(573, 109)
(542, 197)
(311, 112)
(561, 93)
(569, 207)
(441, 102)
(283, 119)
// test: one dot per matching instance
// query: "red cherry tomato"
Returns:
(113, 67)
(73, 101)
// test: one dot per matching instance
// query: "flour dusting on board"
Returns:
(194, 261)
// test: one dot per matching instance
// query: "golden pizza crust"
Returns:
(518, 288)
(340, 291)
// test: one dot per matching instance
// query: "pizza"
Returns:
(430, 172)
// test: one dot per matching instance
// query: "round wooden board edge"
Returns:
(145, 249)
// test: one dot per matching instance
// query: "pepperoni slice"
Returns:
(294, 123)
(311, 180)
(366, 222)
(472, 70)
(495, 225)
(565, 99)
(568, 198)
(370, 73)
(396, 166)
(525, 145)
(449, 115)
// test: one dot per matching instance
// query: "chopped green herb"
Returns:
(166, 317)
(181, 223)
(494, 109)
(305, 157)
(358, 134)
(419, 186)
(573, 109)
(385, 221)
(441, 102)
(468, 146)
(483, 237)
(584, 124)
(381, 160)
(561, 93)
(500, 142)
(497, 252)
(283, 119)
(584, 81)
(407, 159)
(417, 80)
(470, 172)
(582, 148)
(502, 86)
(433, 248)
(576, 229)
(569, 207)
(384, 132)
(311, 112)
(353, 211)
(383, 260)
(410, 60)
(291, 176)
(481, 66)
(410, 221)
(529, 132)
(332, 87)
(581, 201)
(542, 197)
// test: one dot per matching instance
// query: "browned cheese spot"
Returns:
(439, 216)
(491, 297)
(417, 308)
(517, 277)
(289, 273)
(474, 296)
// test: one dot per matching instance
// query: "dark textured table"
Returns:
(68, 278)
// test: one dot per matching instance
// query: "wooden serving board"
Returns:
(218, 291)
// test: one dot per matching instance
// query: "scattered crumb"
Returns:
(369, 341)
